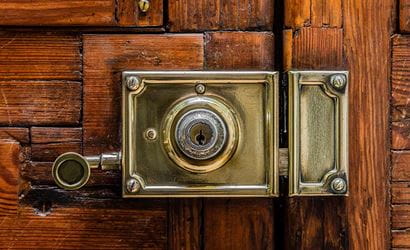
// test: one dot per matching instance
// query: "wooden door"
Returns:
(60, 65)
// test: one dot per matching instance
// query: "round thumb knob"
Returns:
(71, 171)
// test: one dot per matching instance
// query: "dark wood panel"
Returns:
(401, 239)
(9, 177)
(400, 135)
(404, 15)
(40, 103)
(61, 12)
(313, 13)
(400, 216)
(400, 70)
(36, 56)
(367, 27)
(47, 152)
(52, 135)
(400, 192)
(199, 15)
(21, 135)
(400, 165)
(239, 50)
(105, 56)
(238, 224)
(130, 15)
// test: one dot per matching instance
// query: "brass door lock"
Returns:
(204, 133)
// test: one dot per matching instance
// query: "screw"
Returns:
(338, 81)
(133, 185)
(338, 185)
(143, 5)
(151, 134)
(200, 88)
(133, 83)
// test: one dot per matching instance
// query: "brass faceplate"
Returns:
(174, 122)
(318, 133)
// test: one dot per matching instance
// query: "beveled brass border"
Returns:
(335, 85)
(141, 189)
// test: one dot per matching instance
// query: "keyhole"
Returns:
(200, 138)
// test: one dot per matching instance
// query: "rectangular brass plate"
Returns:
(318, 133)
(252, 170)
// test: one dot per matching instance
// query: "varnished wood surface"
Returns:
(202, 15)
(404, 16)
(57, 12)
(129, 14)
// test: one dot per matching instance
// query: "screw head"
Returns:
(338, 81)
(133, 185)
(151, 134)
(133, 83)
(143, 5)
(338, 185)
(200, 88)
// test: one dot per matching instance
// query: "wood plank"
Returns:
(400, 70)
(313, 13)
(9, 177)
(404, 15)
(39, 173)
(37, 56)
(400, 192)
(105, 56)
(366, 27)
(400, 216)
(21, 135)
(40, 103)
(201, 15)
(400, 135)
(184, 224)
(52, 135)
(48, 152)
(400, 162)
(129, 14)
(401, 239)
(239, 50)
(325, 44)
(238, 224)
(61, 12)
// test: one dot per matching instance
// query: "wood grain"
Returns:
(52, 135)
(400, 135)
(238, 224)
(129, 14)
(37, 56)
(404, 15)
(400, 70)
(400, 162)
(313, 13)
(400, 239)
(366, 27)
(61, 12)
(9, 177)
(106, 56)
(201, 15)
(21, 135)
(239, 50)
(400, 192)
(401, 216)
(48, 152)
(39, 103)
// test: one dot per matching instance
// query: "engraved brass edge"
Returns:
(296, 80)
(269, 78)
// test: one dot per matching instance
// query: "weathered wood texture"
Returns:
(21, 135)
(61, 12)
(239, 51)
(238, 224)
(84, 220)
(105, 56)
(40, 103)
(404, 15)
(202, 15)
(36, 56)
(313, 13)
(130, 15)
(312, 222)
(366, 27)
(9, 177)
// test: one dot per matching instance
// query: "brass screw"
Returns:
(133, 185)
(200, 88)
(151, 134)
(338, 185)
(143, 5)
(338, 81)
(133, 83)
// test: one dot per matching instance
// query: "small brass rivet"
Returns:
(133, 185)
(200, 88)
(133, 83)
(338, 185)
(143, 5)
(151, 134)
(338, 81)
